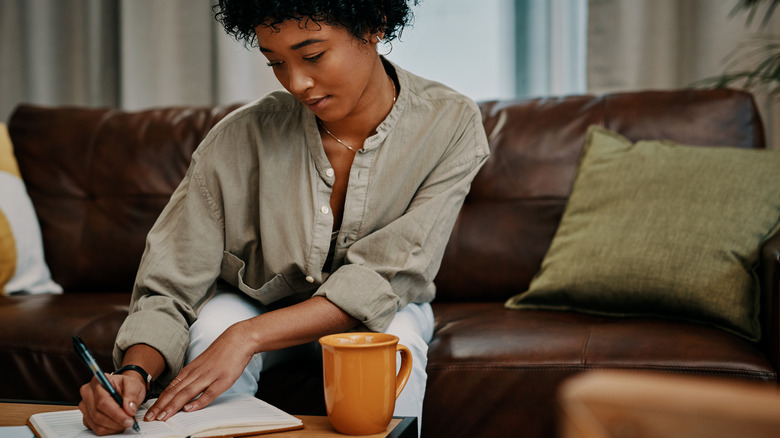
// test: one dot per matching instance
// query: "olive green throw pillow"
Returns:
(659, 229)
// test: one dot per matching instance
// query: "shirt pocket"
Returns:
(233, 271)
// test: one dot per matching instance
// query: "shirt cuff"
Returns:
(159, 331)
(363, 294)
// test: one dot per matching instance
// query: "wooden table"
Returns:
(16, 414)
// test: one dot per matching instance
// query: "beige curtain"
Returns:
(127, 54)
(52, 52)
(661, 44)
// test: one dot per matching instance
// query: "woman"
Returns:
(318, 210)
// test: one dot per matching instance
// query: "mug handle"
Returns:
(405, 370)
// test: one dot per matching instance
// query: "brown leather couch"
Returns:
(99, 178)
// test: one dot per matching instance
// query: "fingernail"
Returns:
(133, 407)
(188, 407)
(162, 416)
(128, 423)
(149, 416)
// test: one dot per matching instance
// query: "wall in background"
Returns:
(466, 45)
(498, 49)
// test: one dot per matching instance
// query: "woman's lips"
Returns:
(317, 103)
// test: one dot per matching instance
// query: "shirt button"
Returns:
(324, 209)
(329, 172)
(309, 278)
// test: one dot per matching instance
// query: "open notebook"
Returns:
(227, 416)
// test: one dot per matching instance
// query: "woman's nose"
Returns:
(300, 81)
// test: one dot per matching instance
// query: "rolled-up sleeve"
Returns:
(178, 269)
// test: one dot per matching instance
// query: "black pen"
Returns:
(84, 354)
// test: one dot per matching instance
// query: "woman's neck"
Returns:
(379, 97)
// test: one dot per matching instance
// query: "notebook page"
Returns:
(231, 411)
(69, 424)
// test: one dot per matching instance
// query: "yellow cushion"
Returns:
(7, 243)
(7, 253)
(7, 159)
(22, 265)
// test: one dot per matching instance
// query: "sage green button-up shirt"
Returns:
(253, 212)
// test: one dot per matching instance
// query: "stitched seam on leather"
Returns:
(689, 370)
(503, 367)
(584, 353)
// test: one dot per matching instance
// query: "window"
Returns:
(497, 49)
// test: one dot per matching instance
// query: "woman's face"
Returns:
(325, 67)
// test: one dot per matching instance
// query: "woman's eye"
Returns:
(313, 58)
(275, 64)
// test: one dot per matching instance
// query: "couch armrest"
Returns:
(769, 272)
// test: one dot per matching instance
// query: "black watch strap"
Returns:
(139, 370)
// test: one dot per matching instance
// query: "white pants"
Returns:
(413, 325)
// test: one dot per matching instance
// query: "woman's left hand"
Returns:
(209, 375)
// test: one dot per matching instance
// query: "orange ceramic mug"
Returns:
(361, 385)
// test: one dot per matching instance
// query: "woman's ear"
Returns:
(376, 37)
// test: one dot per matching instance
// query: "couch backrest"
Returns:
(516, 202)
(99, 178)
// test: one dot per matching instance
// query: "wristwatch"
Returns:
(146, 376)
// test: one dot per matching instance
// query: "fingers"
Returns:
(162, 408)
(101, 412)
(100, 422)
(205, 398)
(206, 377)
(189, 391)
(178, 393)
(132, 393)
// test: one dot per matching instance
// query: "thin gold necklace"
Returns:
(336, 138)
(392, 82)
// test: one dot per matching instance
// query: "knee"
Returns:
(206, 329)
(222, 311)
(410, 336)
(415, 343)
(419, 352)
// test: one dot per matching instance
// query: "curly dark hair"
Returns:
(359, 17)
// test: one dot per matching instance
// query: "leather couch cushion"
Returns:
(37, 360)
(99, 178)
(518, 358)
(656, 228)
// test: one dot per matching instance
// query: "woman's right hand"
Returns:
(102, 413)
